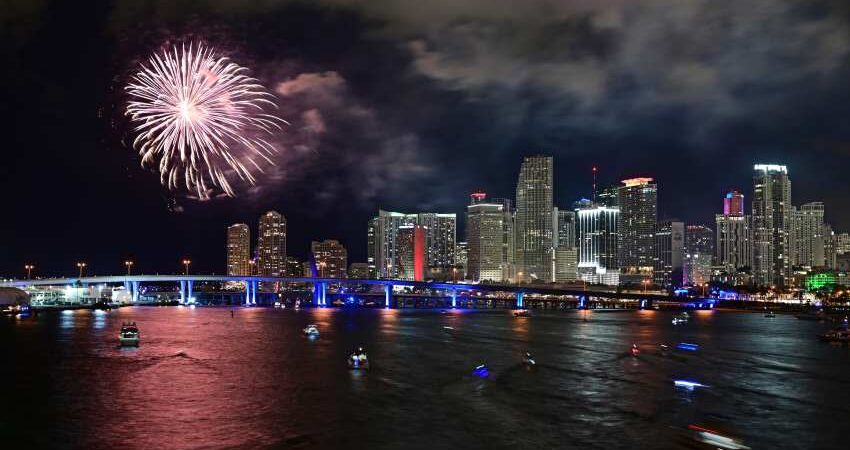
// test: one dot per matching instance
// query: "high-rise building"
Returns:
(485, 235)
(565, 228)
(670, 246)
(439, 231)
(461, 257)
(238, 250)
(733, 204)
(607, 197)
(566, 264)
(598, 241)
(534, 219)
(771, 225)
(411, 252)
(271, 245)
(508, 239)
(842, 243)
(293, 267)
(360, 271)
(808, 235)
(371, 247)
(331, 258)
(734, 244)
(637, 199)
(440, 238)
(829, 243)
(699, 251)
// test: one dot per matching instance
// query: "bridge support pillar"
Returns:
(189, 296)
(519, 299)
(388, 295)
(323, 293)
(316, 296)
(248, 292)
(135, 290)
(182, 292)
(254, 284)
(454, 298)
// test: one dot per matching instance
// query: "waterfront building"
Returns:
(331, 258)
(637, 200)
(440, 238)
(293, 267)
(461, 258)
(508, 239)
(607, 197)
(534, 232)
(733, 240)
(842, 243)
(411, 252)
(829, 244)
(771, 225)
(670, 247)
(271, 244)
(565, 228)
(238, 250)
(371, 245)
(566, 264)
(699, 251)
(808, 235)
(598, 240)
(485, 238)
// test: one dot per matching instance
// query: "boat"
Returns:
(522, 313)
(770, 314)
(635, 351)
(481, 371)
(358, 360)
(840, 334)
(129, 335)
(528, 359)
(311, 330)
(681, 318)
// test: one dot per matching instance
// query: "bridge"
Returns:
(449, 290)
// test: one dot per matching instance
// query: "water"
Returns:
(202, 379)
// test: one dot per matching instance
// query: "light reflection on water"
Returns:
(205, 378)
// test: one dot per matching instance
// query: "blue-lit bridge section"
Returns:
(449, 294)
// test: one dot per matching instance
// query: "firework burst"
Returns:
(201, 119)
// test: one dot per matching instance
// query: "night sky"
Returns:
(411, 105)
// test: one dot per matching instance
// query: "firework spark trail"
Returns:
(198, 115)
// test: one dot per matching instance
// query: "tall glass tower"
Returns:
(638, 202)
(534, 229)
(271, 244)
(771, 226)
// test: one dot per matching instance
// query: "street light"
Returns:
(29, 268)
(186, 263)
(81, 265)
(129, 265)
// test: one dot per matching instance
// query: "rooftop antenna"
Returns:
(594, 184)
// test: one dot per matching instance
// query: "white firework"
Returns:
(201, 118)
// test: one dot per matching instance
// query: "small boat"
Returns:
(528, 359)
(481, 371)
(681, 318)
(770, 314)
(522, 313)
(311, 330)
(840, 334)
(129, 335)
(358, 360)
(635, 351)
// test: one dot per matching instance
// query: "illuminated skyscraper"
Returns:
(439, 231)
(534, 232)
(638, 203)
(485, 239)
(440, 238)
(808, 235)
(733, 204)
(771, 225)
(331, 258)
(565, 228)
(598, 241)
(699, 251)
(271, 245)
(411, 252)
(238, 250)
(734, 246)
(670, 246)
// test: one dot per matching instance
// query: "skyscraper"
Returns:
(637, 199)
(331, 258)
(565, 228)
(508, 239)
(733, 204)
(734, 246)
(485, 239)
(534, 219)
(271, 244)
(440, 238)
(699, 251)
(598, 241)
(238, 250)
(771, 225)
(670, 246)
(439, 231)
(808, 235)
(411, 252)
(371, 247)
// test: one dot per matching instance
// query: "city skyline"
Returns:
(425, 132)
